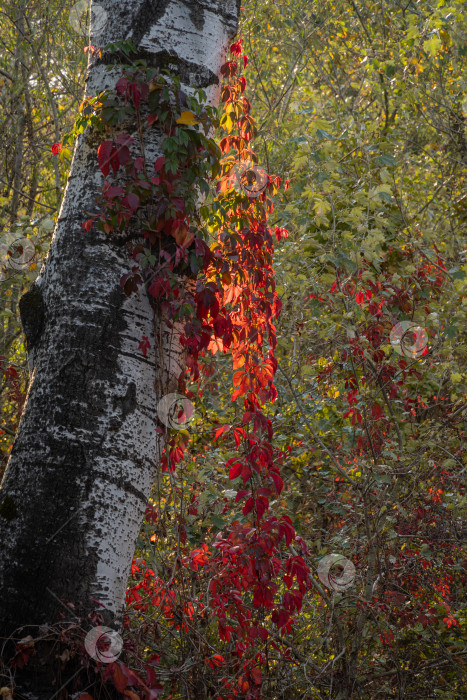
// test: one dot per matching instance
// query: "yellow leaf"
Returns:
(64, 153)
(226, 122)
(187, 118)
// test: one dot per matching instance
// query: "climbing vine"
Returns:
(220, 574)
(194, 220)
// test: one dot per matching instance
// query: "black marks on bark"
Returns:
(8, 509)
(219, 9)
(197, 14)
(148, 14)
(190, 73)
(90, 370)
(57, 564)
(32, 311)
(63, 429)
(123, 484)
(125, 404)
(128, 403)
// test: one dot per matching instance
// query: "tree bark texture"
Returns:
(86, 453)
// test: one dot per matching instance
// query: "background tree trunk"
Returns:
(86, 453)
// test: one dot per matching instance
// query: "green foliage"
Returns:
(362, 106)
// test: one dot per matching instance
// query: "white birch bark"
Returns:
(86, 453)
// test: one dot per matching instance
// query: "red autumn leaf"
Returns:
(286, 529)
(122, 155)
(159, 163)
(221, 430)
(144, 345)
(235, 470)
(111, 192)
(255, 674)
(159, 286)
(139, 91)
(280, 618)
(262, 505)
(124, 139)
(246, 473)
(56, 148)
(87, 225)
(377, 411)
(115, 673)
(238, 434)
(215, 660)
(131, 678)
(229, 68)
(131, 201)
(236, 48)
(103, 156)
(248, 506)
(387, 638)
(278, 483)
(121, 86)
(178, 203)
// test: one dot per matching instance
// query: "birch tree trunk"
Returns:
(86, 453)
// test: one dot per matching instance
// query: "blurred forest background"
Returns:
(362, 106)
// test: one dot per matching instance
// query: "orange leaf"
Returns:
(239, 361)
(237, 378)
